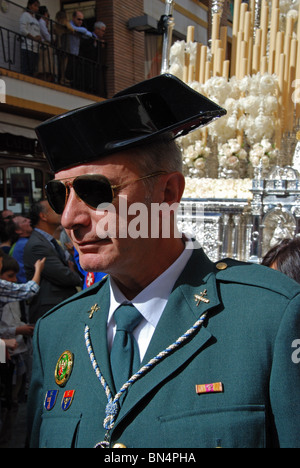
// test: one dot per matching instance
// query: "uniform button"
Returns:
(118, 445)
(221, 266)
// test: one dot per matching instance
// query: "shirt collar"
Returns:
(45, 234)
(152, 301)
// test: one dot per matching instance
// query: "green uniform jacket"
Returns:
(248, 344)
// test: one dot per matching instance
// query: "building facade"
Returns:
(131, 52)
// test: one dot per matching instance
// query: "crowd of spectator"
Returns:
(37, 271)
(50, 49)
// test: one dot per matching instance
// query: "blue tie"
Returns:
(125, 355)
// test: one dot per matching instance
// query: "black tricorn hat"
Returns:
(131, 118)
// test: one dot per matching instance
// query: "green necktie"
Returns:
(125, 355)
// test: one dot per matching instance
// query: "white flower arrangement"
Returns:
(218, 188)
(252, 107)
(177, 59)
(194, 159)
(251, 103)
(263, 154)
(259, 106)
(230, 154)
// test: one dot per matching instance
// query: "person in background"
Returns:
(30, 30)
(62, 27)
(75, 68)
(13, 326)
(63, 32)
(8, 235)
(77, 25)
(43, 18)
(99, 31)
(23, 230)
(11, 292)
(10, 268)
(46, 65)
(94, 49)
(89, 277)
(59, 278)
(285, 257)
(7, 215)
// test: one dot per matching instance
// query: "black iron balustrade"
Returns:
(54, 64)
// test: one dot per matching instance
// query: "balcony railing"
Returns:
(50, 63)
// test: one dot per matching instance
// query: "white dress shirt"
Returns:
(151, 302)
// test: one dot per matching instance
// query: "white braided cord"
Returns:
(95, 364)
(113, 407)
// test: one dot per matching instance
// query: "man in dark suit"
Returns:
(59, 278)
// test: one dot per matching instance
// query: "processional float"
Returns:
(245, 228)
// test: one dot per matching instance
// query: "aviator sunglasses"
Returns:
(92, 189)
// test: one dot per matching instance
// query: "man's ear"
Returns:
(174, 188)
(43, 216)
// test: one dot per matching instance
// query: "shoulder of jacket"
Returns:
(36, 236)
(77, 298)
(251, 274)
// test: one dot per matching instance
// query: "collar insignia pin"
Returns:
(201, 298)
(94, 309)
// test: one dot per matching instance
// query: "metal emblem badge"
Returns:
(64, 368)
(201, 298)
(93, 310)
(67, 399)
(50, 399)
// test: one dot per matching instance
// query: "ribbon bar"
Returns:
(210, 388)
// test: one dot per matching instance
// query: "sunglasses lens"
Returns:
(93, 190)
(56, 194)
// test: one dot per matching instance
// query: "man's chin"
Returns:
(93, 261)
(91, 266)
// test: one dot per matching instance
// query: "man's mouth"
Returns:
(91, 244)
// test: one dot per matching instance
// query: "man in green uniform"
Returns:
(170, 350)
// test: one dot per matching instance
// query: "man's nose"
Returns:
(76, 213)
